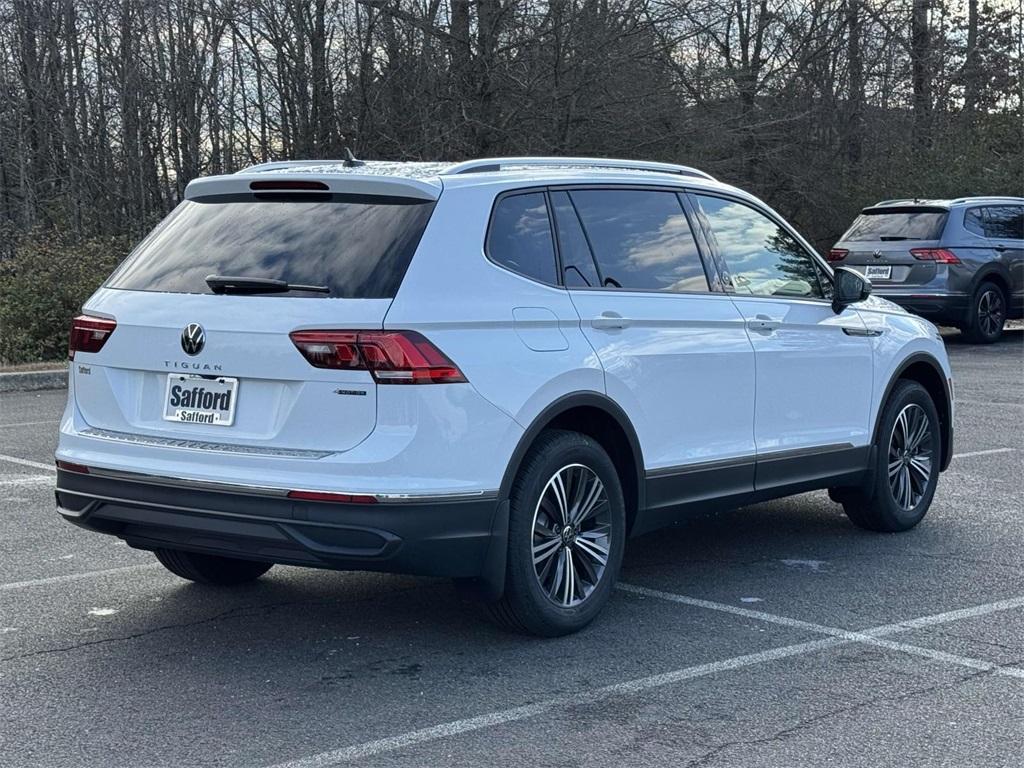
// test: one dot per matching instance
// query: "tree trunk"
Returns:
(921, 73)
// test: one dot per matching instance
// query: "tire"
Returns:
(210, 569)
(898, 501)
(986, 315)
(541, 600)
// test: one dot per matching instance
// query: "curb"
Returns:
(30, 381)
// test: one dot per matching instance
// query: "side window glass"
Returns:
(520, 237)
(824, 280)
(974, 221)
(641, 239)
(1004, 222)
(763, 259)
(578, 268)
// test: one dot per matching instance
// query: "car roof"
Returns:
(944, 203)
(426, 180)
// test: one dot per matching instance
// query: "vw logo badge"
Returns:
(193, 339)
(877, 254)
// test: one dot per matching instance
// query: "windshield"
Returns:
(897, 225)
(358, 247)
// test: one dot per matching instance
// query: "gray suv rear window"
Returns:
(890, 224)
(360, 247)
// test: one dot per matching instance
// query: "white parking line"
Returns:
(27, 462)
(28, 480)
(435, 732)
(988, 403)
(869, 637)
(988, 452)
(631, 687)
(30, 423)
(75, 577)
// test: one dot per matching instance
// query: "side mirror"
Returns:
(849, 288)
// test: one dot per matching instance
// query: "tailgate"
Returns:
(279, 398)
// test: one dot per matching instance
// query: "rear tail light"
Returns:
(338, 498)
(391, 357)
(89, 334)
(837, 254)
(940, 255)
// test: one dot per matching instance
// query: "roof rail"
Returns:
(970, 198)
(489, 164)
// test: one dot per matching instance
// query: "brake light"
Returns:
(391, 357)
(346, 498)
(282, 184)
(939, 255)
(837, 254)
(89, 334)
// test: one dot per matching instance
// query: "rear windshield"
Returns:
(359, 247)
(898, 225)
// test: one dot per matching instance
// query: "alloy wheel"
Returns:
(990, 312)
(910, 456)
(571, 535)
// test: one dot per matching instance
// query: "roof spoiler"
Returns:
(348, 184)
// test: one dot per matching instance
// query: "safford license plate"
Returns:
(196, 400)
(877, 272)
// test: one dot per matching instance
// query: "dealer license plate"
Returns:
(197, 400)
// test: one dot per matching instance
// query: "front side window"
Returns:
(641, 239)
(762, 258)
(519, 238)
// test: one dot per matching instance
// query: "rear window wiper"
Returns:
(249, 285)
(890, 238)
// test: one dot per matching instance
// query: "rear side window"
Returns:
(974, 221)
(359, 247)
(999, 222)
(519, 238)
(641, 239)
(578, 270)
(902, 224)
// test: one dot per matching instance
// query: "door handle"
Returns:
(1000, 247)
(763, 324)
(609, 321)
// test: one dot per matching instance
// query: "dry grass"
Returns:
(26, 367)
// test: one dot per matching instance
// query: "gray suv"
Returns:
(956, 262)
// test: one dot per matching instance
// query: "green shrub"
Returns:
(43, 283)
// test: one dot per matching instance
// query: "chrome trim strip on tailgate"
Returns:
(202, 445)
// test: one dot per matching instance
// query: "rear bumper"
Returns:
(943, 307)
(443, 536)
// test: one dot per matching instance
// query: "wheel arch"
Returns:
(993, 272)
(597, 416)
(926, 371)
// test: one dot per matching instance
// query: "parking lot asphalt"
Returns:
(774, 635)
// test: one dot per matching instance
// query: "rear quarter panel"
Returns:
(517, 341)
(981, 260)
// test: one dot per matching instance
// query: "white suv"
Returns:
(495, 370)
